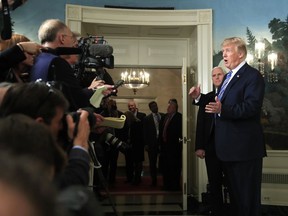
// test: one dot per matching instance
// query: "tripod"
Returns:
(97, 166)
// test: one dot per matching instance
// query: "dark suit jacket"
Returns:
(205, 125)
(134, 137)
(141, 116)
(238, 131)
(60, 71)
(174, 133)
(77, 170)
(150, 133)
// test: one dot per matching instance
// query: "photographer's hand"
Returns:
(96, 83)
(109, 90)
(30, 47)
(83, 130)
(99, 119)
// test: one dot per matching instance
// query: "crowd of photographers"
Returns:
(47, 121)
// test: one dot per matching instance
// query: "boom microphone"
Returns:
(6, 32)
(67, 51)
(64, 51)
(102, 50)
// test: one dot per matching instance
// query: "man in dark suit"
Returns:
(134, 157)
(239, 140)
(170, 159)
(150, 135)
(205, 147)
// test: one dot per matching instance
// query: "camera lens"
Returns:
(116, 143)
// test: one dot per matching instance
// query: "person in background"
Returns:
(111, 152)
(18, 72)
(170, 158)
(134, 164)
(205, 147)
(150, 135)
(133, 108)
(134, 155)
(239, 138)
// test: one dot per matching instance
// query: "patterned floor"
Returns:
(164, 204)
(168, 204)
(124, 199)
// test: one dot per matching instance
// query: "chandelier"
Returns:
(265, 61)
(135, 79)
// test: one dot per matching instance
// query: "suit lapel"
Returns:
(235, 79)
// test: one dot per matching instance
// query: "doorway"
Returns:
(157, 39)
(165, 83)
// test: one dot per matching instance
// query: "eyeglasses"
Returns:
(74, 39)
(49, 92)
(71, 36)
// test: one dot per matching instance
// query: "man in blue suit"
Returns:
(239, 140)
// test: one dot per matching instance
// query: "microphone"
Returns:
(68, 51)
(6, 32)
(102, 50)
(63, 51)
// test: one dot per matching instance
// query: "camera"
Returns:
(76, 117)
(96, 55)
(116, 143)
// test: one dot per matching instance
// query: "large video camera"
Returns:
(95, 56)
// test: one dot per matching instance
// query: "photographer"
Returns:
(48, 66)
(48, 105)
(16, 54)
(110, 142)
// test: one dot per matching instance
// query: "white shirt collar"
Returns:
(235, 70)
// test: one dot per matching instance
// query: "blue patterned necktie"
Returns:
(224, 85)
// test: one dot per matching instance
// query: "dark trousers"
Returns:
(153, 155)
(215, 179)
(244, 186)
(171, 170)
(129, 165)
(138, 168)
(133, 168)
(109, 165)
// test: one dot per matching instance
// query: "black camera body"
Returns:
(96, 53)
(95, 56)
(76, 117)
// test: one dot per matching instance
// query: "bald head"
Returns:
(54, 33)
(132, 106)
